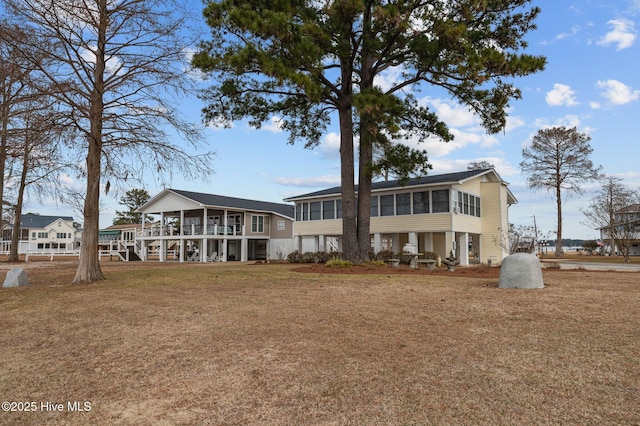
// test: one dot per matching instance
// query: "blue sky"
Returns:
(591, 81)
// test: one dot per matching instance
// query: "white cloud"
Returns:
(595, 105)
(618, 93)
(273, 126)
(623, 34)
(454, 114)
(330, 146)
(573, 32)
(560, 95)
(309, 182)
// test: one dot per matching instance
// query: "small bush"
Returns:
(430, 255)
(378, 263)
(308, 257)
(294, 257)
(385, 255)
(338, 263)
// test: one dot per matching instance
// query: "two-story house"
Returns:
(44, 234)
(205, 227)
(465, 212)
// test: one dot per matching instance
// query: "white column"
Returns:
(244, 248)
(395, 243)
(377, 243)
(204, 222)
(322, 245)
(463, 248)
(181, 232)
(203, 251)
(413, 238)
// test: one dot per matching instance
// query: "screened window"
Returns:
(440, 201)
(305, 211)
(478, 206)
(465, 205)
(338, 209)
(374, 206)
(386, 205)
(298, 212)
(315, 210)
(328, 209)
(257, 224)
(421, 202)
(403, 203)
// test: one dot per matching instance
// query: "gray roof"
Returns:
(38, 221)
(238, 203)
(447, 178)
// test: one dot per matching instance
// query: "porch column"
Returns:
(463, 248)
(244, 248)
(322, 246)
(298, 243)
(377, 243)
(162, 253)
(181, 232)
(413, 238)
(395, 243)
(224, 249)
(161, 223)
(204, 222)
(204, 251)
(449, 243)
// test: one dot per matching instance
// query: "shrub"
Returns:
(430, 255)
(308, 257)
(338, 263)
(385, 255)
(294, 257)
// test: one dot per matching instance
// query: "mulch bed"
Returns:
(481, 271)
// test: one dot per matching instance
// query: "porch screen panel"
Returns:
(298, 212)
(440, 201)
(305, 211)
(374, 206)
(403, 203)
(386, 205)
(328, 209)
(338, 209)
(315, 210)
(421, 202)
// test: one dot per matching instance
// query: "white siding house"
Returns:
(206, 227)
(43, 234)
(464, 212)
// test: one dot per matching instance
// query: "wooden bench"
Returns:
(431, 264)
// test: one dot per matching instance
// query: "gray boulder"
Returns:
(521, 270)
(15, 278)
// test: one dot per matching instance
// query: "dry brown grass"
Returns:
(263, 344)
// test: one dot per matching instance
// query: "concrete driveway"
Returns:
(591, 266)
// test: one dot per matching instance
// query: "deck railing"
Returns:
(195, 230)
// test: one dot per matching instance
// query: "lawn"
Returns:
(239, 344)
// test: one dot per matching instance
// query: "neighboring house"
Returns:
(43, 234)
(119, 240)
(465, 212)
(206, 227)
(627, 222)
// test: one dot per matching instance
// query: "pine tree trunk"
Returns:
(559, 229)
(349, 230)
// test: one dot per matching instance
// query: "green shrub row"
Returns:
(324, 257)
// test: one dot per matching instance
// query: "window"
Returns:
(338, 209)
(478, 206)
(315, 210)
(386, 205)
(328, 209)
(440, 201)
(33, 235)
(43, 235)
(61, 235)
(421, 202)
(374, 206)
(305, 211)
(298, 212)
(403, 203)
(280, 225)
(257, 224)
(465, 203)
